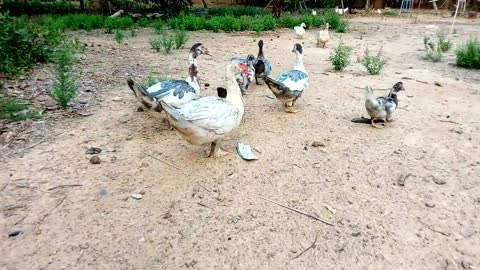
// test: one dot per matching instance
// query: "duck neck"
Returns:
(299, 62)
(260, 50)
(192, 58)
(234, 95)
(192, 76)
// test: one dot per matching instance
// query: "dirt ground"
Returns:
(403, 197)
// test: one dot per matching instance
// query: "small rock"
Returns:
(14, 233)
(438, 84)
(438, 181)
(117, 99)
(95, 160)
(137, 196)
(317, 165)
(429, 205)
(356, 234)
(142, 239)
(318, 144)
(93, 151)
(467, 231)
(140, 109)
(84, 246)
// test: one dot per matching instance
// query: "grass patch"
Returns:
(156, 43)
(433, 51)
(237, 11)
(443, 42)
(468, 55)
(16, 110)
(65, 83)
(119, 36)
(167, 43)
(180, 38)
(390, 13)
(340, 57)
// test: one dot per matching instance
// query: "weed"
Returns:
(180, 38)
(390, 13)
(143, 22)
(237, 11)
(340, 57)
(433, 50)
(119, 36)
(16, 110)
(133, 32)
(156, 43)
(117, 23)
(335, 21)
(468, 55)
(443, 42)
(373, 63)
(65, 84)
(159, 26)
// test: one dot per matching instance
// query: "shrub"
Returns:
(340, 57)
(433, 51)
(65, 84)
(288, 21)
(133, 32)
(390, 13)
(119, 36)
(180, 38)
(237, 11)
(83, 21)
(143, 22)
(443, 43)
(335, 21)
(373, 63)
(167, 43)
(214, 24)
(16, 110)
(269, 22)
(16, 8)
(468, 55)
(159, 26)
(156, 43)
(117, 23)
(23, 44)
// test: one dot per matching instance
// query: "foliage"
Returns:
(82, 22)
(390, 13)
(433, 50)
(133, 32)
(373, 63)
(65, 83)
(159, 26)
(443, 42)
(154, 79)
(119, 36)
(468, 55)
(143, 22)
(335, 21)
(167, 43)
(340, 57)
(237, 11)
(16, 110)
(23, 44)
(116, 23)
(156, 43)
(16, 8)
(180, 38)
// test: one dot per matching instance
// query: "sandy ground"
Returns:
(212, 214)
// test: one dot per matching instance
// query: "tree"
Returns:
(98, 6)
(277, 8)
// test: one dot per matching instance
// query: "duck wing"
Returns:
(173, 92)
(142, 95)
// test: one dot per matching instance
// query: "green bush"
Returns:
(16, 8)
(468, 55)
(23, 44)
(159, 26)
(180, 38)
(390, 13)
(237, 11)
(65, 84)
(433, 50)
(214, 24)
(289, 21)
(373, 63)
(83, 22)
(156, 43)
(116, 23)
(443, 42)
(143, 22)
(119, 36)
(167, 43)
(16, 110)
(340, 57)
(335, 21)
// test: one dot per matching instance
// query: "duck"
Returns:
(300, 30)
(323, 36)
(174, 92)
(314, 12)
(261, 64)
(382, 108)
(289, 86)
(209, 119)
(245, 80)
(341, 11)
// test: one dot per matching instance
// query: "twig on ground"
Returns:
(449, 121)
(163, 161)
(201, 204)
(433, 229)
(64, 186)
(205, 188)
(298, 211)
(313, 245)
(53, 209)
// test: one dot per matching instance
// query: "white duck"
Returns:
(300, 30)
(288, 86)
(323, 36)
(174, 92)
(208, 119)
(314, 12)
(341, 11)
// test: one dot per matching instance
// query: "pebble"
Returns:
(467, 231)
(429, 205)
(140, 109)
(438, 84)
(318, 144)
(438, 181)
(137, 196)
(93, 151)
(355, 234)
(117, 99)
(95, 160)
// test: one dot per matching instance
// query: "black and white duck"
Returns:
(382, 108)
(288, 86)
(261, 64)
(174, 92)
(245, 80)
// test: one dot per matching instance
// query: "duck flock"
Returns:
(206, 120)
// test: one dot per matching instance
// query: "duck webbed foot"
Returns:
(216, 151)
(377, 126)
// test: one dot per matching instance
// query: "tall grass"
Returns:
(468, 55)
(15, 110)
(65, 83)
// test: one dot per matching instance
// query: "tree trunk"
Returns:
(82, 6)
(204, 4)
(277, 7)
(98, 6)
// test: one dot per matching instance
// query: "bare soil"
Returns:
(403, 197)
